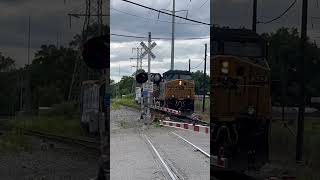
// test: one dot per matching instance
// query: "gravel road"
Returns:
(132, 157)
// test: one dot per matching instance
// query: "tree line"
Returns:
(51, 70)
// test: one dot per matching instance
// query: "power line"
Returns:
(152, 19)
(198, 65)
(282, 14)
(166, 13)
(162, 38)
(203, 4)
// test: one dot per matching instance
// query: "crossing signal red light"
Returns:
(142, 77)
(156, 78)
(96, 52)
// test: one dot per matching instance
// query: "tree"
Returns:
(51, 73)
(8, 87)
(6, 63)
(198, 80)
(284, 52)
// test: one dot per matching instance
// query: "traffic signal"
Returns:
(142, 77)
(156, 78)
(96, 52)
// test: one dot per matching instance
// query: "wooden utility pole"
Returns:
(300, 128)
(254, 16)
(189, 65)
(204, 78)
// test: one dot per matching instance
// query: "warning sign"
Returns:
(148, 86)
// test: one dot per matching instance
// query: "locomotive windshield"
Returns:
(177, 74)
(238, 42)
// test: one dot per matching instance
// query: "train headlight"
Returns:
(225, 70)
(188, 96)
(180, 83)
(225, 67)
(251, 110)
(225, 64)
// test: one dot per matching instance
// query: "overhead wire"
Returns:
(161, 38)
(281, 15)
(203, 4)
(166, 12)
(152, 19)
(197, 65)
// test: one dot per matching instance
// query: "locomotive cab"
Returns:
(176, 91)
(241, 102)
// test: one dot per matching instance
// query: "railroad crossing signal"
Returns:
(148, 86)
(147, 50)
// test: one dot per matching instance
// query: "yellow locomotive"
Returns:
(176, 91)
(241, 100)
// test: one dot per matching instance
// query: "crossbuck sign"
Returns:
(147, 50)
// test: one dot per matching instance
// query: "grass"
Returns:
(62, 125)
(198, 109)
(283, 145)
(13, 141)
(124, 101)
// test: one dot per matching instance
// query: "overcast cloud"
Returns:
(50, 25)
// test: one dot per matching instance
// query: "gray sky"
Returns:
(50, 24)
(132, 20)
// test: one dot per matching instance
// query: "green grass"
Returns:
(283, 147)
(52, 124)
(198, 109)
(124, 101)
(14, 141)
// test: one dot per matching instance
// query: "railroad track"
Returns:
(87, 143)
(172, 170)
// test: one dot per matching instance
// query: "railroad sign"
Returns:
(147, 50)
(148, 86)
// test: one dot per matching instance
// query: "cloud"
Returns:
(132, 20)
(185, 50)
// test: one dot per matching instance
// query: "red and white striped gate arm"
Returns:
(186, 126)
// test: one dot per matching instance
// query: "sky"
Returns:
(129, 19)
(50, 25)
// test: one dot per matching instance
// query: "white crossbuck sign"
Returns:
(147, 50)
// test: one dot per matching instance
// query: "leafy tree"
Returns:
(198, 80)
(283, 52)
(51, 73)
(6, 63)
(8, 90)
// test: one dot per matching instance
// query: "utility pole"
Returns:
(119, 94)
(149, 80)
(173, 30)
(204, 78)
(137, 66)
(284, 71)
(254, 16)
(27, 78)
(29, 32)
(21, 90)
(189, 65)
(304, 22)
(172, 41)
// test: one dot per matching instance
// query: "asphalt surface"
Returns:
(133, 157)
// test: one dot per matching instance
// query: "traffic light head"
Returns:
(156, 78)
(142, 77)
(96, 52)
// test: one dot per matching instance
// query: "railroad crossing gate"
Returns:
(147, 50)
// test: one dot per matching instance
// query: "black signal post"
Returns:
(299, 144)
